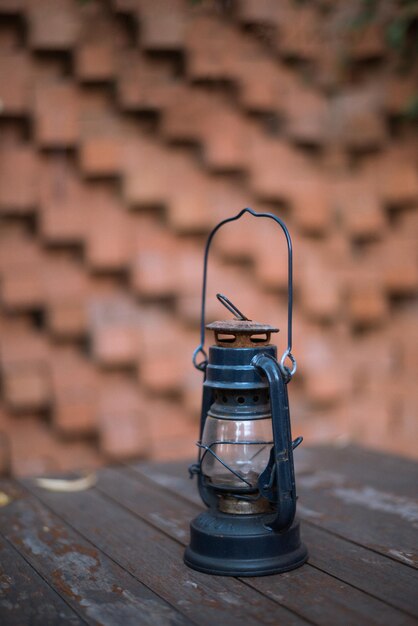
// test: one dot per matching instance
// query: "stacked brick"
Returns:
(128, 129)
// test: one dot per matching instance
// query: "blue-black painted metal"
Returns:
(200, 350)
(283, 445)
(257, 543)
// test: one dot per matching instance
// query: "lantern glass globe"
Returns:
(244, 445)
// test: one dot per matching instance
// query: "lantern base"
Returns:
(242, 545)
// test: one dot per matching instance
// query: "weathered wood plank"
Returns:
(379, 520)
(156, 560)
(384, 472)
(374, 573)
(308, 591)
(100, 591)
(379, 576)
(360, 511)
(25, 598)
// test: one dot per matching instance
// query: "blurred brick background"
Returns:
(128, 129)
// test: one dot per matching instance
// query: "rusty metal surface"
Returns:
(241, 333)
(242, 326)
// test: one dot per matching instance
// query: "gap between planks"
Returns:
(136, 473)
(44, 499)
(191, 495)
(138, 592)
(37, 576)
(255, 583)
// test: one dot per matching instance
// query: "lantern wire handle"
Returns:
(287, 373)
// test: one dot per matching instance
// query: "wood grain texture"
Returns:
(365, 497)
(97, 589)
(156, 560)
(333, 583)
(113, 554)
(25, 598)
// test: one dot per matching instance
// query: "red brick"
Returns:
(270, 254)
(64, 202)
(153, 177)
(226, 138)
(236, 242)
(109, 237)
(66, 292)
(21, 269)
(306, 113)
(395, 175)
(325, 378)
(12, 6)
(311, 204)
(69, 268)
(258, 11)
(16, 81)
(162, 24)
(188, 278)
(125, 6)
(356, 121)
(56, 115)
(189, 209)
(188, 304)
(35, 450)
(320, 288)
(19, 193)
(367, 42)
(357, 203)
(185, 115)
(103, 138)
(101, 156)
(404, 336)
(115, 328)
(398, 259)
(189, 267)
(173, 434)
(74, 389)
(123, 419)
(144, 85)
(145, 173)
(367, 305)
(49, 68)
(300, 31)
(196, 115)
(263, 83)
(166, 350)
(276, 169)
(153, 268)
(24, 364)
(212, 47)
(53, 24)
(95, 61)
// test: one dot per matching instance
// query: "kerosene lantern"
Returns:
(245, 462)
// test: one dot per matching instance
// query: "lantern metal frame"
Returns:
(254, 544)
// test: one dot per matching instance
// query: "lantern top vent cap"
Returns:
(241, 333)
(242, 327)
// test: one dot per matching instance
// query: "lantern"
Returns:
(245, 463)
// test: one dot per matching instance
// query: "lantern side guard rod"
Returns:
(288, 373)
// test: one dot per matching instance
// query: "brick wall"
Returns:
(128, 129)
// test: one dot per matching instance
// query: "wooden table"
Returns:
(112, 554)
